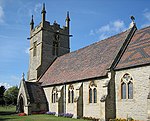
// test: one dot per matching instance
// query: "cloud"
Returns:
(37, 8)
(109, 29)
(1, 15)
(146, 15)
(6, 85)
(15, 78)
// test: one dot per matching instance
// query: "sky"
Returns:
(91, 21)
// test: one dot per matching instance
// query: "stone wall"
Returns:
(96, 110)
(136, 107)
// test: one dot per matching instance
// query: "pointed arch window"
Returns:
(90, 95)
(95, 95)
(70, 94)
(126, 87)
(35, 48)
(123, 91)
(56, 44)
(54, 95)
(130, 90)
(92, 92)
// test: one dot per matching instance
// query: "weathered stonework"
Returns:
(136, 107)
(44, 35)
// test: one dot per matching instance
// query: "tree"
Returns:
(10, 96)
(2, 90)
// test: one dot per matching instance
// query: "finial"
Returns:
(132, 23)
(43, 10)
(132, 18)
(31, 23)
(67, 18)
(23, 76)
(43, 14)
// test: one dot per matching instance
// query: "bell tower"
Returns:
(47, 42)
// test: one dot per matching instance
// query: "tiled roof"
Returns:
(36, 92)
(89, 62)
(138, 50)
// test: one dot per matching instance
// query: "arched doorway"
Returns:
(21, 105)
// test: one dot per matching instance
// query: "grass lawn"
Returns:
(8, 114)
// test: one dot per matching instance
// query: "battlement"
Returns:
(55, 27)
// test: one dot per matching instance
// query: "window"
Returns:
(70, 94)
(34, 48)
(55, 48)
(56, 44)
(95, 95)
(126, 87)
(130, 90)
(54, 95)
(92, 92)
(90, 95)
(123, 91)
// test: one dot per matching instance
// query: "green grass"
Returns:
(8, 114)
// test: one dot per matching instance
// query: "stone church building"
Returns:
(106, 80)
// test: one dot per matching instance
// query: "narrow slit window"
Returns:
(34, 48)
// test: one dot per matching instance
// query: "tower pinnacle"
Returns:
(67, 19)
(43, 13)
(31, 24)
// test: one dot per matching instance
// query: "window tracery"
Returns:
(127, 87)
(54, 95)
(92, 92)
(70, 94)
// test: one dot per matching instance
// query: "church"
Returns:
(106, 80)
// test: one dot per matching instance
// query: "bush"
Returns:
(119, 119)
(21, 114)
(90, 118)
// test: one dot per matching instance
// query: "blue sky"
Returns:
(91, 21)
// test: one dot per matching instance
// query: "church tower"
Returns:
(47, 42)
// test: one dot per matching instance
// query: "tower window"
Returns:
(55, 48)
(55, 44)
(34, 48)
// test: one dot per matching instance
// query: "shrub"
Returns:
(119, 119)
(90, 118)
(21, 114)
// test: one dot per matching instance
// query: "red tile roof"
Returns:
(89, 62)
(138, 50)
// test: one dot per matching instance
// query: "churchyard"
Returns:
(7, 113)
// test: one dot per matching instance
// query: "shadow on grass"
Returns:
(4, 113)
(6, 119)
(7, 113)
